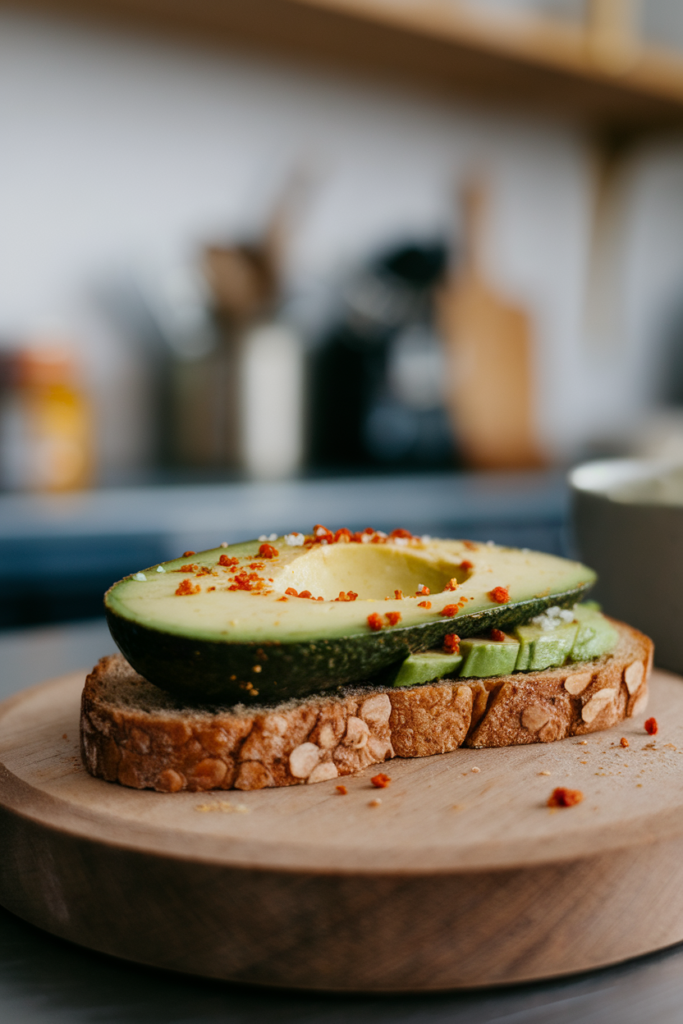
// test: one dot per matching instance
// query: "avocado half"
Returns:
(228, 625)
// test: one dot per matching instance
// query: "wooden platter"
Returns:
(457, 878)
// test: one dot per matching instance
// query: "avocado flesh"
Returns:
(595, 635)
(483, 658)
(234, 646)
(425, 667)
(537, 649)
(544, 648)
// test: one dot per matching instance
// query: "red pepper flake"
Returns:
(497, 634)
(452, 584)
(375, 622)
(283, 599)
(305, 593)
(211, 588)
(398, 595)
(470, 545)
(381, 781)
(624, 742)
(257, 565)
(342, 790)
(268, 551)
(651, 727)
(188, 568)
(189, 554)
(401, 533)
(320, 599)
(466, 566)
(187, 587)
(422, 592)
(291, 591)
(500, 595)
(450, 610)
(226, 561)
(368, 530)
(425, 604)
(393, 618)
(562, 797)
(350, 596)
(451, 643)
(378, 539)
(356, 538)
(342, 535)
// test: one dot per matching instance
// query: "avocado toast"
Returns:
(305, 657)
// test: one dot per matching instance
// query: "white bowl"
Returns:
(635, 543)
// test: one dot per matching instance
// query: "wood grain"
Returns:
(458, 878)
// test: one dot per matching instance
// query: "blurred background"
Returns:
(360, 262)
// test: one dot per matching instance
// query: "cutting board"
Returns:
(490, 357)
(461, 875)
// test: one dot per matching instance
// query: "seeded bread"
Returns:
(134, 733)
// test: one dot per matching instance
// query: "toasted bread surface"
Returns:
(134, 733)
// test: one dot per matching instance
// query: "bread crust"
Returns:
(136, 734)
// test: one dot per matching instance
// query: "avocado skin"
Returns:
(201, 670)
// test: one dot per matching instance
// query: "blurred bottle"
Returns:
(45, 422)
(378, 380)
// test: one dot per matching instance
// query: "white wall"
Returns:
(117, 152)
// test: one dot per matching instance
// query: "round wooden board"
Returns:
(458, 878)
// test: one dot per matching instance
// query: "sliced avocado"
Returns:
(189, 627)
(488, 657)
(595, 635)
(426, 667)
(541, 648)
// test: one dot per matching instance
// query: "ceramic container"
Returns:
(633, 537)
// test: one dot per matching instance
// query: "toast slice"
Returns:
(136, 734)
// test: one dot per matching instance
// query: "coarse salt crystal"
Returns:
(160, 568)
(294, 540)
(140, 577)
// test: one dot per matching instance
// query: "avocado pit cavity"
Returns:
(373, 572)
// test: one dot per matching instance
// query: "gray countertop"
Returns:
(44, 980)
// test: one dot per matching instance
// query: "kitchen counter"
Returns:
(59, 553)
(44, 980)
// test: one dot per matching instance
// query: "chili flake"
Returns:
(342, 535)
(651, 727)
(374, 622)
(562, 797)
(225, 560)
(350, 596)
(188, 568)
(451, 643)
(425, 604)
(450, 610)
(624, 742)
(268, 551)
(401, 533)
(342, 790)
(398, 595)
(393, 618)
(465, 566)
(305, 593)
(187, 587)
(498, 635)
(499, 594)
(470, 545)
(381, 781)
(189, 554)
(422, 591)
(452, 584)
(291, 591)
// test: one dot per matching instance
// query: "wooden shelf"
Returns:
(543, 66)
